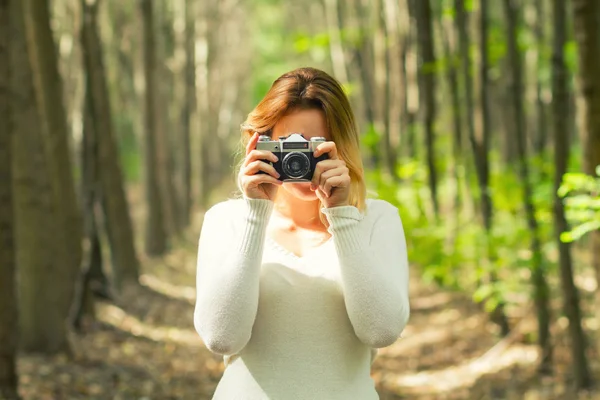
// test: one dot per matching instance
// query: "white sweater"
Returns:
(292, 327)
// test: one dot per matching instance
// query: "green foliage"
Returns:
(304, 43)
(456, 252)
(571, 56)
(496, 47)
(582, 203)
(129, 149)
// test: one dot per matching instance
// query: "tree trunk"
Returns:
(464, 44)
(93, 271)
(539, 143)
(540, 286)
(560, 122)
(116, 209)
(165, 139)
(381, 82)
(427, 71)
(48, 227)
(156, 237)
(586, 22)
(336, 50)
(454, 88)
(90, 190)
(202, 102)
(393, 88)
(188, 109)
(8, 298)
(411, 81)
(364, 57)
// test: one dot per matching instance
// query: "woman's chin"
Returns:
(301, 191)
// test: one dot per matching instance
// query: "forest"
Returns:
(120, 125)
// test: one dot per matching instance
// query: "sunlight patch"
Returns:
(466, 374)
(186, 293)
(118, 318)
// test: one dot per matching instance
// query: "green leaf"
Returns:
(566, 237)
(482, 293)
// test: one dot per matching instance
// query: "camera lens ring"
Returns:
(290, 166)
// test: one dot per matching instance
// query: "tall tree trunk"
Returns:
(427, 71)
(90, 185)
(203, 100)
(411, 80)
(381, 83)
(397, 37)
(165, 140)
(540, 286)
(539, 143)
(156, 236)
(364, 56)
(91, 188)
(454, 88)
(43, 329)
(114, 201)
(8, 298)
(188, 108)
(561, 133)
(480, 143)
(464, 45)
(336, 49)
(587, 20)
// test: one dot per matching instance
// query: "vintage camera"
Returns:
(296, 161)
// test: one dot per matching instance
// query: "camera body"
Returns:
(296, 162)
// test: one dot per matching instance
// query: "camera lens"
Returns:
(296, 165)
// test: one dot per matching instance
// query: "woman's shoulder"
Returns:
(226, 208)
(378, 207)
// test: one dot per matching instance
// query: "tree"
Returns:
(49, 99)
(449, 46)
(92, 279)
(540, 285)
(116, 209)
(46, 279)
(8, 298)
(560, 125)
(586, 15)
(156, 236)
(427, 72)
(188, 108)
(541, 120)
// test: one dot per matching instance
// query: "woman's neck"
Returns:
(303, 214)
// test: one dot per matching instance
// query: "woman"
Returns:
(299, 283)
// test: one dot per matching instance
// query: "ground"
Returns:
(143, 346)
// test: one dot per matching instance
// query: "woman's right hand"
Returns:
(255, 185)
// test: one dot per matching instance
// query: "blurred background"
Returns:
(120, 124)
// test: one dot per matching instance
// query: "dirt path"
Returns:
(145, 347)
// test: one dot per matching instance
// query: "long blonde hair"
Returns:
(310, 88)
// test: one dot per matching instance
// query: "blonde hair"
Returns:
(310, 88)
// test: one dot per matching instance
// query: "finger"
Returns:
(252, 181)
(258, 165)
(320, 194)
(335, 182)
(260, 155)
(341, 170)
(327, 147)
(323, 166)
(252, 143)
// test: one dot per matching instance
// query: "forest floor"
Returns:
(143, 346)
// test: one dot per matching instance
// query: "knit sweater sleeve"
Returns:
(374, 270)
(228, 271)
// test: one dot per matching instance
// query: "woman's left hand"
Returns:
(331, 179)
